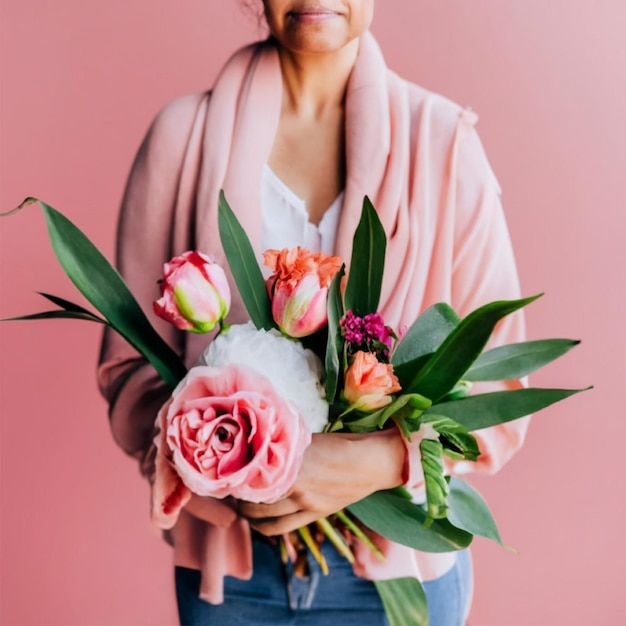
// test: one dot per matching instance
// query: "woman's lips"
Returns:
(312, 16)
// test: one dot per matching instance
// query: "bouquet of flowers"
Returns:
(317, 356)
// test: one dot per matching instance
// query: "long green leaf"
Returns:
(404, 600)
(426, 334)
(398, 519)
(469, 511)
(244, 267)
(367, 263)
(102, 285)
(461, 348)
(66, 304)
(335, 341)
(59, 314)
(489, 409)
(517, 359)
(71, 311)
(407, 371)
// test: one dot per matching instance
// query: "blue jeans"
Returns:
(275, 596)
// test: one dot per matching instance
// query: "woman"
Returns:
(297, 130)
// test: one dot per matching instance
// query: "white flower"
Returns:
(294, 371)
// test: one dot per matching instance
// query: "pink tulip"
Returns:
(369, 383)
(195, 293)
(298, 289)
(300, 311)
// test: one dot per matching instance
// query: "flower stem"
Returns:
(284, 553)
(335, 538)
(311, 544)
(358, 532)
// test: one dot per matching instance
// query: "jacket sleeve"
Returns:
(483, 270)
(147, 220)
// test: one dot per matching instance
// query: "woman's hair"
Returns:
(254, 8)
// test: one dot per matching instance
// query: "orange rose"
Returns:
(369, 383)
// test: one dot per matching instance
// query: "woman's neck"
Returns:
(315, 84)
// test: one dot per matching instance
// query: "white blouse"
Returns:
(285, 220)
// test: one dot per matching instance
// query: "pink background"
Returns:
(80, 83)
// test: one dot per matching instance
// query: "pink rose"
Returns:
(369, 383)
(195, 293)
(298, 289)
(225, 432)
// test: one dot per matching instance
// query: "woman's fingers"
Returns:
(254, 511)
(337, 470)
(284, 524)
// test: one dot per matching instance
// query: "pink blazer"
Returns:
(414, 153)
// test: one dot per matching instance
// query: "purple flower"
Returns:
(352, 328)
(375, 329)
(367, 334)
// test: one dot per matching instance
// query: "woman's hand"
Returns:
(337, 470)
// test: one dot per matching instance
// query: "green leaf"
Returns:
(489, 409)
(426, 333)
(244, 267)
(398, 519)
(45, 315)
(407, 416)
(431, 452)
(518, 359)
(67, 305)
(453, 435)
(403, 409)
(404, 600)
(72, 311)
(359, 422)
(401, 492)
(408, 370)
(334, 345)
(461, 348)
(462, 389)
(367, 263)
(469, 511)
(102, 285)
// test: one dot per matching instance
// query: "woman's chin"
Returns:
(317, 39)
